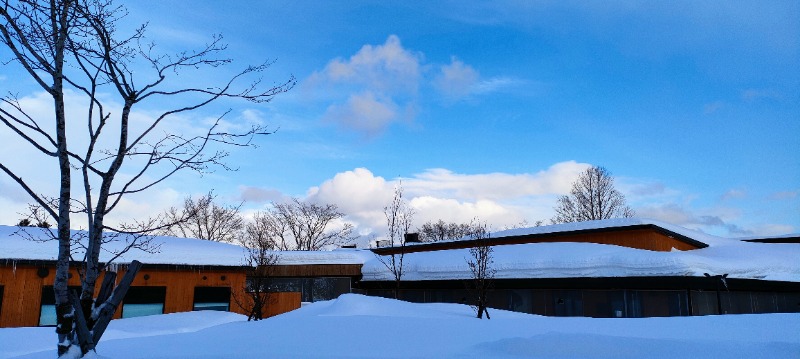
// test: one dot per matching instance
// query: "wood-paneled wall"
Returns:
(22, 293)
(648, 239)
(22, 290)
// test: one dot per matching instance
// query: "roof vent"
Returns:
(412, 238)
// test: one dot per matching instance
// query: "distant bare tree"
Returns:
(205, 219)
(304, 226)
(443, 231)
(260, 261)
(398, 222)
(36, 217)
(74, 47)
(481, 266)
(592, 197)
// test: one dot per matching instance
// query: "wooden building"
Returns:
(185, 275)
(614, 268)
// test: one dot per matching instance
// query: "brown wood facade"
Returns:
(22, 285)
(316, 270)
(646, 237)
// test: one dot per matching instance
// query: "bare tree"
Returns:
(36, 217)
(73, 46)
(480, 265)
(304, 226)
(592, 197)
(204, 219)
(398, 222)
(260, 261)
(443, 231)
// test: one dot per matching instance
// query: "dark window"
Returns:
(47, 311)
(567, 303)
(383, 293)
(788, 302)
(498, 298)
(736, 302)
(604, 303)
(764, 302)
(704, 302)
(521, 300)
(212, 298)
(412, 295)
(141, 301)
(543, 302)
(657, 303)
(311, 289)
(443, 296)
(283, 284)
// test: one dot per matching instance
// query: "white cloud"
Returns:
(497, 186)
(500, 199)
(456, 80)
(388, 67)
(379, 83)
(378, 86)
(715, 106)
(494, 84)
(734, 194)
(717, 220)
(784, 195)
(364, 113)
(252, 194)
(751, 95)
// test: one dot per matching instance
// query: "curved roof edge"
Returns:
(514, 236)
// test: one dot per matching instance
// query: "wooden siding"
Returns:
(22, 294)
(640, 238)
(317, 270)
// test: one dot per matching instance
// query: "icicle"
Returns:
(14, 268)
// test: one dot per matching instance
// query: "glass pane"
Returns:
(410, 295)
(736, 302)
(764, 302)
(542, 301)
(657, 303)
(220, 306)
(47, 312)
(604, 303)
(141, 300)
(328, 288)
(212, 298)
(704, 303)
(567, 303)
(47, 315)
(498, 298)
(520, 300)
(140, 310)
(788, 302)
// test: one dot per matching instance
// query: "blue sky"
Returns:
(490, 109)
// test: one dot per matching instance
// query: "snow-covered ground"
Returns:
(356, 326)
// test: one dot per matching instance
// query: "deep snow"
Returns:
(356, 326)
(536, 260)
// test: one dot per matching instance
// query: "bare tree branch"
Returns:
(592, 197)
(73, 46)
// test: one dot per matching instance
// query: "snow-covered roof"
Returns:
(740, 259)
(615, 223)
(173, 251)
(735, 257)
